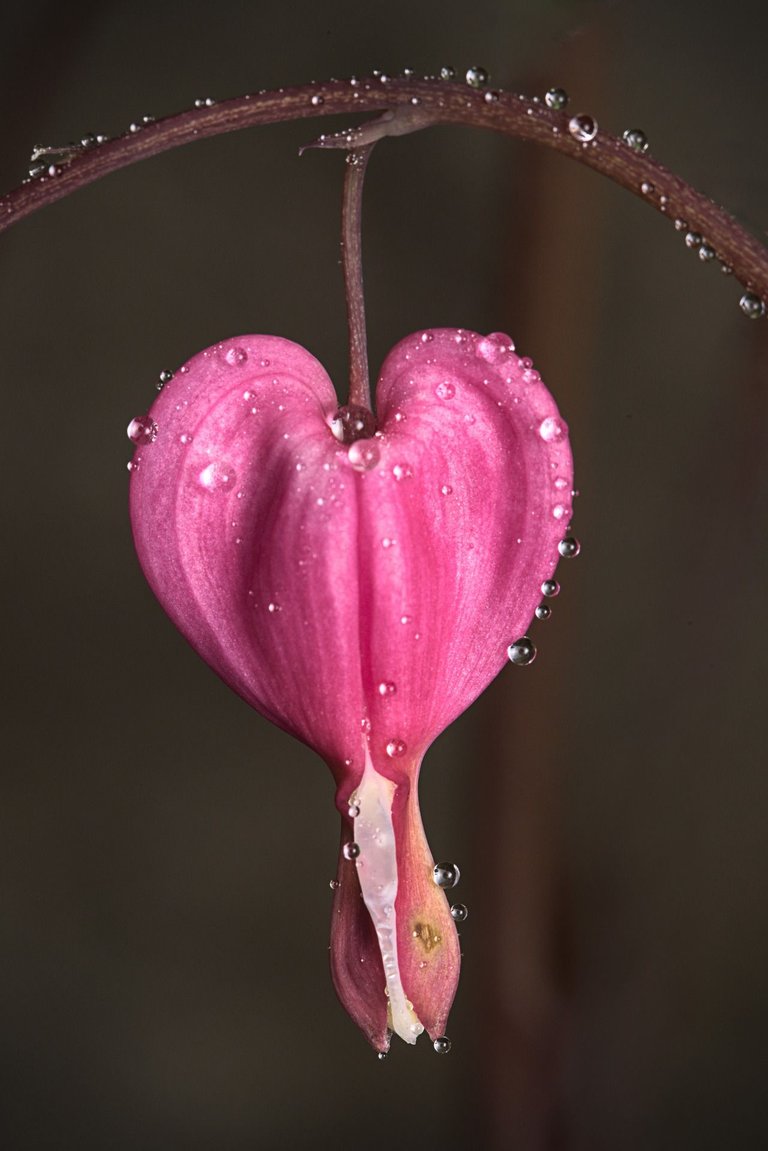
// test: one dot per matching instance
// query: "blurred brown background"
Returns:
(164, 853)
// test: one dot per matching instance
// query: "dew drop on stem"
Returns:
(583, 127)
(556, 99)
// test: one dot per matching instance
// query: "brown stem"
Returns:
(438, 102)
(352, 259)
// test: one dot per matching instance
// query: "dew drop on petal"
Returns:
(459, 912)
(447, 72)
(446, 490)
(351, 850)
(363, 455)
(217, 477)
(334, 884)
(543, 611)
(556, 99)
(386, 688)
(353, 810)
(442, 1045)
(185, 438)
(142, 430)
(164, 378)
(235, 356)
(569, 547)
(583, 127)
(402, 471)
(445, 390)
(522, 652)
(550, 588)
(551, 430)
(495, 346)
(446, 875)
(396, 748)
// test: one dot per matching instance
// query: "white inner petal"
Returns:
(377, 871)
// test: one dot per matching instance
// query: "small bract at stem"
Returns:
(352, 261)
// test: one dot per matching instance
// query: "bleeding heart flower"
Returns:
(359, 594)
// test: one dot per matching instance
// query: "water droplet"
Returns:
(317, 101)
(388, 542)
(334, 885)
(142, 430)
(217, 476)
(351, 423)
(556, 99)
(752, 306)
(381, 1054)
(647, 188)
(636, 139)
(692, 239)
(476, 77)
(543, 611)
(363, 455)
(569, 547)
(550, 588)
(353, 810)
(402, 471)
(446, 875)
(491, 97)
(495, 346)
(522, 652)
(459, 912)
(185, 438)
(235, 356)
(726, 269)
(405, 619)
(559, 511)
(447, 72)
(396, 748)
(445, 390)
(164, 378)
(561, 483)
(386, 688)
(446, 490)
(551, 430)
(681, 225)
(706, 252)
(273, 608)
(351, 850)
(442, 1045)
(583, 127)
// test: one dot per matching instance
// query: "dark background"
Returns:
(164, 853)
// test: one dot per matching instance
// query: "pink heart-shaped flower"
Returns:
(359, 595)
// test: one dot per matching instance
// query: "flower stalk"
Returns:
(416, 104)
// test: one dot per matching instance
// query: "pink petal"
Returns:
(360, 596)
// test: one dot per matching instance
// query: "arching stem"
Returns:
(414, 104)
(352, 260)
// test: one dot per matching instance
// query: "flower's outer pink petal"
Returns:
(459, 526)
(360, 597)
(244, 513)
